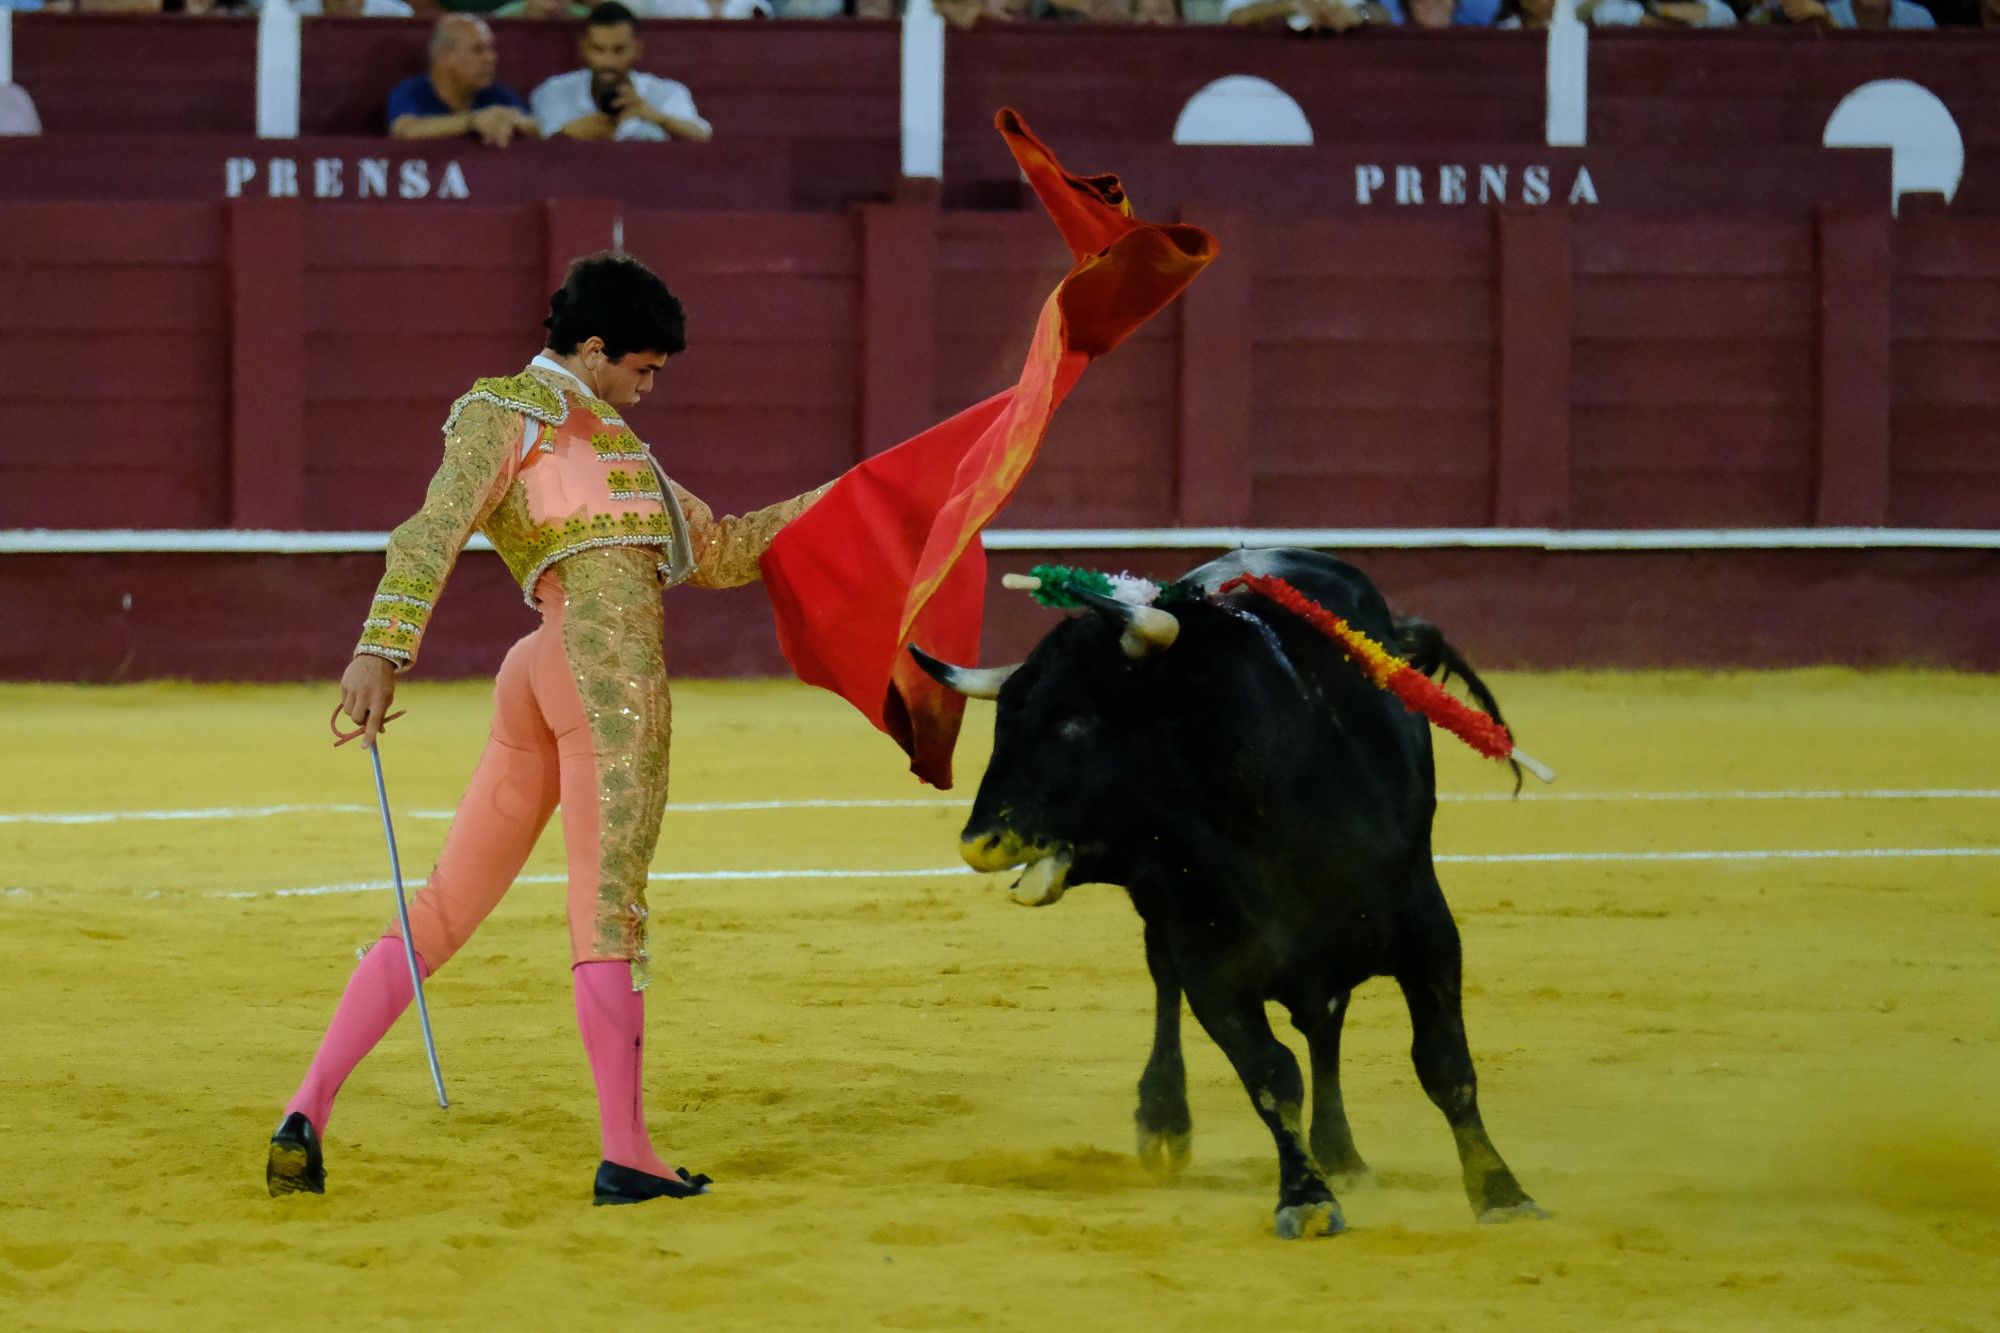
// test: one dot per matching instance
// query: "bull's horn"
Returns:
(1148, 629)
(1021, 582)
(972, 682)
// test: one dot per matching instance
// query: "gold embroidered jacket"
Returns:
(545, 470)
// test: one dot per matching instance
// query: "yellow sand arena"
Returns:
(1756, 1092)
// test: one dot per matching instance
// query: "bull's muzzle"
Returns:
(1043, 882)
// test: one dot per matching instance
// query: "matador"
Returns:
(544, 464)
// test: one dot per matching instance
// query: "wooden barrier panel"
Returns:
(1110, 457)
(1125, 85)
(138, 73)
(1595, 369)
(766, 401)
(745, 174)
(1692, 373)
(827, 88)
(403, 309)
(295, 617)
(115, 328)
(1752, 84)
(1373, 388)
(1945, 372)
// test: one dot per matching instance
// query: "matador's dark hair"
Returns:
(610, 14)
(615, 297)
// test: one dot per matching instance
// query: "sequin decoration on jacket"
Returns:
(545, 471)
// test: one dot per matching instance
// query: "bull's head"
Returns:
(1078, 743)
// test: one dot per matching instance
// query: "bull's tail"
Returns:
(1424, 647)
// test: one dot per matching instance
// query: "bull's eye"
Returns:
(1075, 729)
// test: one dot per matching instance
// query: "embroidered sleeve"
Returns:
(480, 457)
(726, 550)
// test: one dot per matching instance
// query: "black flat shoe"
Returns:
(622, 1184)
(296, 1165)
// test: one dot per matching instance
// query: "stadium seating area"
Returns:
(1683, 323)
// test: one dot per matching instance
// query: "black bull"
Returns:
(1269, 811)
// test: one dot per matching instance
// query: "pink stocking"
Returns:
(375, 997)
(612, 1018)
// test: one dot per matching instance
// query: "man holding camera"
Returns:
(608, 98)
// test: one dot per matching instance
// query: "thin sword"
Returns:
(403, 915)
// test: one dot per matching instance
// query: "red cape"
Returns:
(891, 555)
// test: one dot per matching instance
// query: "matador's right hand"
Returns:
(367, 688)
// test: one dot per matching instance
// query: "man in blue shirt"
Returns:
(1879, 14)
(459, 97)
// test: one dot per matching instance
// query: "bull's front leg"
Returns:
(1166, 1131)
(1270, 1074)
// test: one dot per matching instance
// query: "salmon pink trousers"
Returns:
(581, 722)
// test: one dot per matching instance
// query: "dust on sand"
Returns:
(1754, 1094)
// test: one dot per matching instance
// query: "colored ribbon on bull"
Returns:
(1418, 692)
(890, 555)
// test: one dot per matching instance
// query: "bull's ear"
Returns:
(972, 682)
(1148, 630)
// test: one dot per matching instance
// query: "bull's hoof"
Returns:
(1303, 1221)
(1526, 1209)
(1344, 1178)
(1165, 1154)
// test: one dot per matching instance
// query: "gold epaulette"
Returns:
(522, 393)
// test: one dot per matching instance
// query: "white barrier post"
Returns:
(278, 71)
(923, 91)
(6, 46)
(1568, 78)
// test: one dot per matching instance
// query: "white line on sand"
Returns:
(657, 877)
(1463, 859)
(942, 803)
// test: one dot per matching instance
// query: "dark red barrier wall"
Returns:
(1945, 386)
(829, 87)
(130, 426)
(1777, 86)
(294, 617)
(119, 74)
(1111, 84)
(285, 364)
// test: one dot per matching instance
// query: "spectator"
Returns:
(965, 13)
(607, 99)
(541, 9)
(1428, 15)
(1167, 13)
(17, 111)
(702, 9)
(1340, 15)
(1878, 15)
(1534, 15)
(1662, 14)
(1301, 15)
(353, 9)
(1787, 14)
(459, 97)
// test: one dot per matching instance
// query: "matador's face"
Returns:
(624, 381)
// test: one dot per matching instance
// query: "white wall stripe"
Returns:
(278, 76)
(948, 803)
(195, 541)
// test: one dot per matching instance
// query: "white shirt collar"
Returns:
(547, 363)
